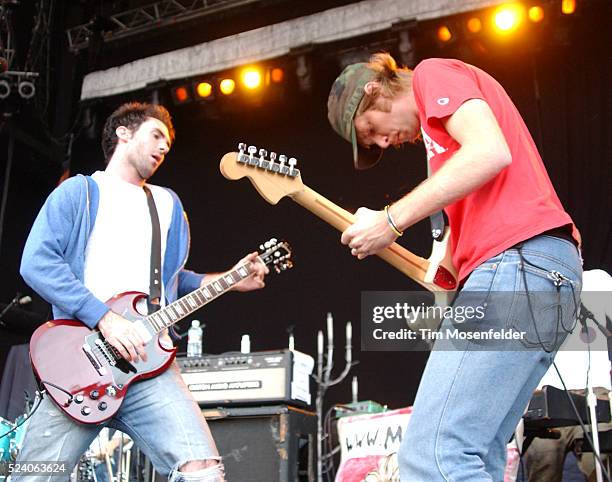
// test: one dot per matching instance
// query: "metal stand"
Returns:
(591, 399)
(324, 380)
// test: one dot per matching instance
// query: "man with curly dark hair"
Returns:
(92, 240)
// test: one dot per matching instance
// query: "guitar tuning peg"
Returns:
(262, 157)
(273, 166)
(283, 168)
(252, 161)
(241, 147)
(292, 164)
(261, 247)
(267, 244)
(273, 240)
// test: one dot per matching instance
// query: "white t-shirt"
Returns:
(573, 365)
(118, 253)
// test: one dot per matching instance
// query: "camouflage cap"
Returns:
(344, 99)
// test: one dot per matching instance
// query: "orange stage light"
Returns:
(568, 6)
(227, 86)
(474, 25)
(251, 78)
(181, 94)
(277, 75)
(444, 34)
(508, 18)
(204, 89)
(535, 14)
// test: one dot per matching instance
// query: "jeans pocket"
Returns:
(543, 306)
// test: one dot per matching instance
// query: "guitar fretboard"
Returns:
(179, 309)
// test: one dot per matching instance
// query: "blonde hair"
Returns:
(391, 79)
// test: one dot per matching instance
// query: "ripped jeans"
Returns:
(159, 414)
(471, 396)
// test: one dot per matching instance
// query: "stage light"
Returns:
(277, 75)
(508, 18)
(26, 89)
(474, 25)
(444, 34)
(535, 14)
(568, 6)
(204, 89)
(5, 89)
(227, 86)
(180, 94)
(251, 78)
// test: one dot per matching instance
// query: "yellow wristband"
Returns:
(392, 222)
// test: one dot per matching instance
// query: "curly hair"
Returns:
(391, 78)
(132, 115)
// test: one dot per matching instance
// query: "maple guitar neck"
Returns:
(397, 256)
(276, 177)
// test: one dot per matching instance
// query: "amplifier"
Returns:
(247, 378)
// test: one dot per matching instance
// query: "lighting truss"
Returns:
(144, 19)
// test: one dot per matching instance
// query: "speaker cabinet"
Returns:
(265, 444)
(262, 444)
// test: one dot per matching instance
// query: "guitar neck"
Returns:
(179, 309)
(397, 256)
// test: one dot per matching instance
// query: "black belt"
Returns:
(561, 232)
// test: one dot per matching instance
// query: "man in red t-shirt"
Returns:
(509, 233)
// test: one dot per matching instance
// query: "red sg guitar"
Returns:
(87, 378)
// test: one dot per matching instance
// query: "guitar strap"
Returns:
(436, 220)
(155, 270)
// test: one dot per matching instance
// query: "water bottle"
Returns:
(194, 339)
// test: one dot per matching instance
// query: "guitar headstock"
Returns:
(273, 176)
(276, 255)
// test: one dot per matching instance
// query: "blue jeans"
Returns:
(159, 414)
(470, 399)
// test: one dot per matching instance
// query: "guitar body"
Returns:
(88, 379)
(69, 355)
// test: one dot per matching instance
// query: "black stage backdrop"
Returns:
(570, 122)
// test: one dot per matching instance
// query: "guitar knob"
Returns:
(79, 398)
(111, 391)
(102, 406)
(94, 395)
(86, 410)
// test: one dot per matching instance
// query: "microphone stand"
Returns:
(591, 399)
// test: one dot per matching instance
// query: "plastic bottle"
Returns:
(245, 344)
(194, 339)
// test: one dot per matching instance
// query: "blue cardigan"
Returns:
(53, 261)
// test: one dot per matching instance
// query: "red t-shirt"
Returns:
(519, 202)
